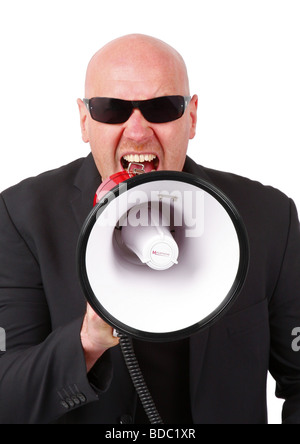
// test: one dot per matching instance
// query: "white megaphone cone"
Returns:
(162, 255)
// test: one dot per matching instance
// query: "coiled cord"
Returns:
(138, 379)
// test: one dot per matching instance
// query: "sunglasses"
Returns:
(158, 110)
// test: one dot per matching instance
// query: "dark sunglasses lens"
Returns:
(163, 109)
(108, 110)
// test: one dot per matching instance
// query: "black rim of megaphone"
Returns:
(228, 300)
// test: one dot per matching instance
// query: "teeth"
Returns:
(140, 158)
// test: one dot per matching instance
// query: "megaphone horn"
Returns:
(162, 255)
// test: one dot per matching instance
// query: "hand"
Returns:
(96, 337)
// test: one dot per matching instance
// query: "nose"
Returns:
(137, 128)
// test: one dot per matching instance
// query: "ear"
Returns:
(193, 115)
(83, 120)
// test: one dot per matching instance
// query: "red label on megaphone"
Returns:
(110, 183)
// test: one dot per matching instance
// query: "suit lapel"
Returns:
(198, 352)
(85, 185)
(193, 168)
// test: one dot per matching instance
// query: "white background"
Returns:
(244, 63)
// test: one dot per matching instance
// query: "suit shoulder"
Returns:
(234, 185)
(262, 207)
(237, 185)
(65, 173)
(38, 195)
(43, 186)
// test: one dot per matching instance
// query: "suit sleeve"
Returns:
(284, 318)
(42, 372)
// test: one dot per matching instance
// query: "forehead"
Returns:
(135, 75)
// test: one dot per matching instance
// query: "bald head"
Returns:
(138, 59)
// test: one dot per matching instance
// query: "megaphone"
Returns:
(162, 255)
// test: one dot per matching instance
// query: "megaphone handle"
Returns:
(138, 379)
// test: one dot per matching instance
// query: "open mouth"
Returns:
(150, 162)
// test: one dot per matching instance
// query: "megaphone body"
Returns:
(162, 255)
(153, 243)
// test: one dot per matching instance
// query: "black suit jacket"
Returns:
(42, 374)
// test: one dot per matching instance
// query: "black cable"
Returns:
(138, 379)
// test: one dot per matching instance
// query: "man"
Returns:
(62, 363)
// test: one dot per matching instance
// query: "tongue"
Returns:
(148, 166)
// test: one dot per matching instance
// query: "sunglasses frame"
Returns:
(138, 104)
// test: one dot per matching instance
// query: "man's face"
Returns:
(114, 145)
